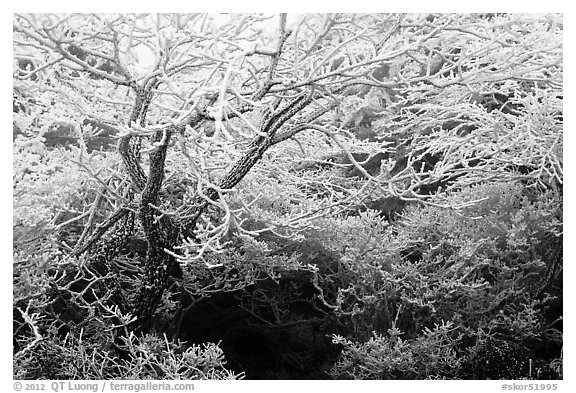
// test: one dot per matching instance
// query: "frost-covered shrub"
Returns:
(76, 356)
(51, 182)
(432, 355)
(476, 269)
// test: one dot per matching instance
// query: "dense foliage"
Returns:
(320, 196)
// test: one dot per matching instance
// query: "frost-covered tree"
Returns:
(231, 126)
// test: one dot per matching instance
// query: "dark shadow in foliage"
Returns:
(296, 347)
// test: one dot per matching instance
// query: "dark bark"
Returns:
(161, 234)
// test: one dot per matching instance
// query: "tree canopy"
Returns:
(164, 160)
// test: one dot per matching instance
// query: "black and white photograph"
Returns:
(289, 196)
